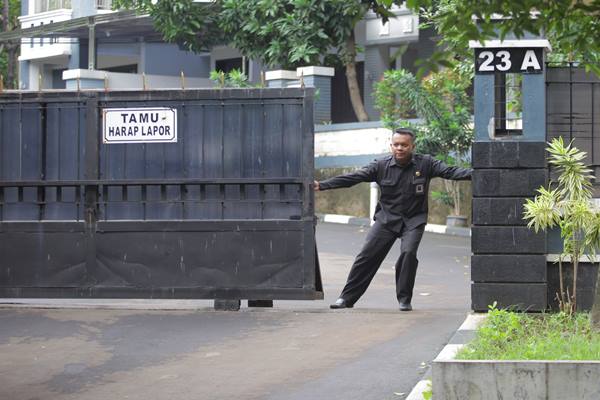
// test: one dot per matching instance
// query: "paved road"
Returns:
(297, 350)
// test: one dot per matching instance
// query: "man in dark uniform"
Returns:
(403, 178)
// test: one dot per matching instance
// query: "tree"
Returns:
(8, 50)
(285, 33)
(441, 101)
(572, 27)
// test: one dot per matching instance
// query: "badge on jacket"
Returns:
(419, 183)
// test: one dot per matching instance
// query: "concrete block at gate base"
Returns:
(509, 268)
(507, 182)
(520, 296)
(507, 240)
(227, 305)
(498, 211)
(496, 380)
(509, 154)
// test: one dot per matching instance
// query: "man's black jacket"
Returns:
(403, 200)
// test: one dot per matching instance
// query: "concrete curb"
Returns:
(464, 334)
(433, 228)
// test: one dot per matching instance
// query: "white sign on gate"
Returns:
(139, 125)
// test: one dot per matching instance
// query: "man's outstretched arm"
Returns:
(365, 174)
(442, 170)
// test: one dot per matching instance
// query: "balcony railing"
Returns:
(50, 5)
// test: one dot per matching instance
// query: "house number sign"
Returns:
(512, 59)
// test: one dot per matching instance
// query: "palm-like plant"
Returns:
(440, 100)
(568, 205)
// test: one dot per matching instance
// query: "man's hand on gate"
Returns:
(316, 185)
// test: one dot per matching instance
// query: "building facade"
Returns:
(118, 60)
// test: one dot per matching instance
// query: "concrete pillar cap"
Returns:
(321, 71)
(280, 74)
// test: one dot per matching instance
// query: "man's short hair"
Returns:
(404, 131)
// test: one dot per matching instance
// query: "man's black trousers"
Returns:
(378, 244)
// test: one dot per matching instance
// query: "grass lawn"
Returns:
(506, 335)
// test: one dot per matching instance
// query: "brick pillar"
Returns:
(280, 78)
(508, 265)
(320, 78)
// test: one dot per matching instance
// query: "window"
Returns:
(50, 5)
(229, 64)
(508, 107)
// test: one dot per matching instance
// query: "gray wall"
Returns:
(83, 8)
(168, 59)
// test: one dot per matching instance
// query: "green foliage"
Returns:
(287, 33)
(3, 63)
(571, 26)
(508, 335)
(567, 204)
(440, 100)
(292, 33)
(193, 26)
(232, 79)
(442, 197)
(428, 393)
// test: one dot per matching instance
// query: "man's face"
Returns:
(402, 147)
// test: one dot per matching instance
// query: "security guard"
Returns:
(401, 213)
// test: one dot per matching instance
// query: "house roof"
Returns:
(117, 26)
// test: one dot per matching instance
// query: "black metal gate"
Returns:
(225, 212)
(573, 109)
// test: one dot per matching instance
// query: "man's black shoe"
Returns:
(341, 303)
(405, 307)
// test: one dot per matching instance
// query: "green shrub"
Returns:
(507, 335)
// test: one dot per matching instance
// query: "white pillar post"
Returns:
(373, 201)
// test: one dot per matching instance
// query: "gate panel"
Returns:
(225, 212)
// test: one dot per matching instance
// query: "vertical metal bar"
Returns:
(91, 140)
(183, 123)
(261, 195)
(91, 173)
(41, 194)
(222, 187)
(78, 191)
(570, 102)
(592, 132)
(2, 134)
(282, 194)
(43, 154)
(91, 44)
(144, 200)
(308, 159)
(182, 199)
